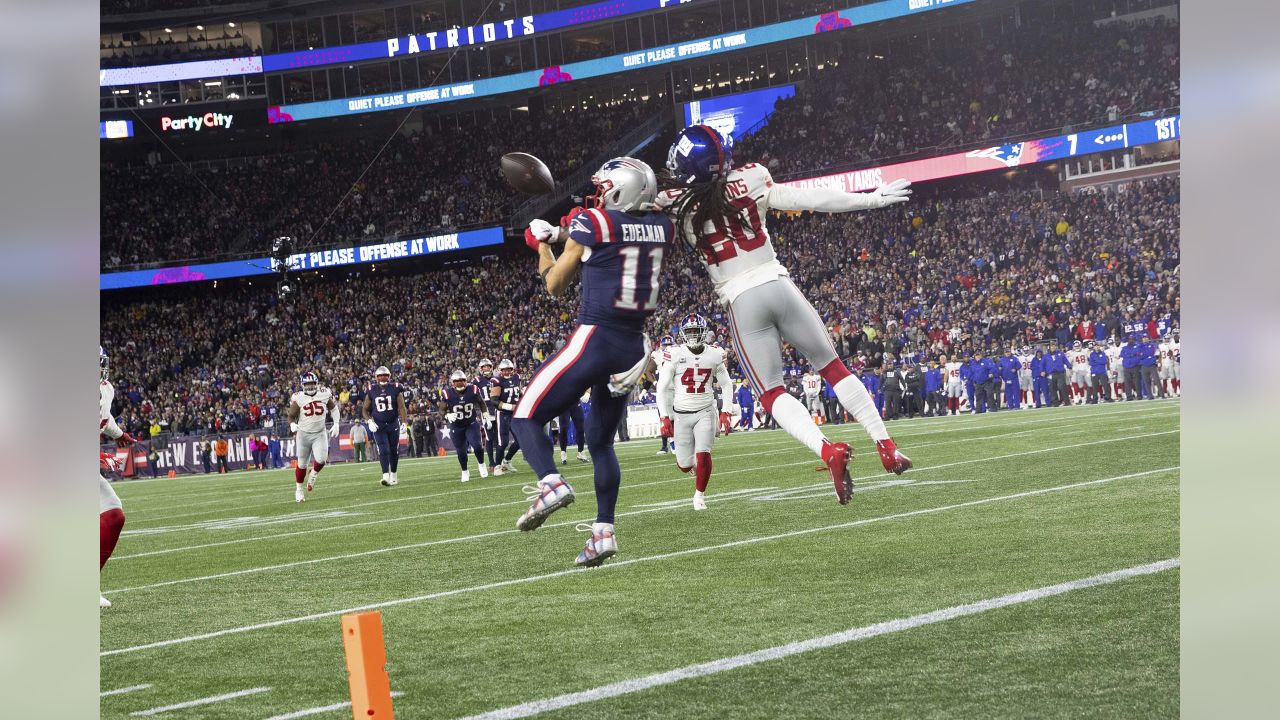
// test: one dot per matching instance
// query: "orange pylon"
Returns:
(367, 666)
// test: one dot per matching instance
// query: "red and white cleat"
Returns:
(837, 457)
(311, 479)
(894, 461)
(600, 547)
(551, 494)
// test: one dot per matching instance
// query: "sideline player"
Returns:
(1081, 382)
(812, 384)
(462, 404)
(1170, 375)
(618, 245)
(385, 413)
(955, 385)
(684, 386)
(110, 509)
(505, 395)
(574, 415)
(307, 410)
(660, 356)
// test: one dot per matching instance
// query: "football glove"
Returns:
(451, 418)
(333, 431)
(668, 427)
(125, 440)
(293, 427)
(539, 231)
(108, 463)
(895, 192)
(372, 425)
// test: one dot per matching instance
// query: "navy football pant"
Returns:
(579, 427)
(508, 445)
(388, 440)
(592, 354)
(468, 438)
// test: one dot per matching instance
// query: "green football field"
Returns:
(1027, 567)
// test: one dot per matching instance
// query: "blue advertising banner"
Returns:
(613, 64)
(356, 254)
(734, 115)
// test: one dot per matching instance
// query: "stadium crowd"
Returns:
(863, 108)
(959, 271)
(174, 48)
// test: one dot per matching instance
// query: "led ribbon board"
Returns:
(315, 260)
(705, 47)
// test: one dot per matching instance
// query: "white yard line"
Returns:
(994, 421)
(714, 667)
(618, 564)
(319, 710)
(479, 536)
(197, 703)
(123, 690)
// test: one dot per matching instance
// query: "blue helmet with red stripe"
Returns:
(667, 341)
(699, 154)
(693, 330)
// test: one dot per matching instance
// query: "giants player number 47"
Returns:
(721, 211)
(687, 401)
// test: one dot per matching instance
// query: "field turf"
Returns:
(228, 594)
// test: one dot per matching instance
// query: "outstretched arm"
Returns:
(783, 197)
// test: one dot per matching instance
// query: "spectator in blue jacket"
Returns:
(747, 403)
(935, 406)
(1098, 372)
(1059, 394)
(982, 371)
(966, 374)
(1040, 378)
(1131, 361)
(831, 404)
(1009, 367)
(871, 381)
(1151, 385)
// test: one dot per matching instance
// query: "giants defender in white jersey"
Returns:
(1170, 375)
(721, 211)
(1025, 381)
(1080, 379)
(954, 384)
(812, 384)
(308, 409)
(1115, 369)
(687, 402)
(110, 510)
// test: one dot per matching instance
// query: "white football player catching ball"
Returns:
(687, 402)
(720, 210)
(307, 410)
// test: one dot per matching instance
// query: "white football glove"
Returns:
(333, 431)
(895, 192)
(293, 427)
(373, 426)
(544, 231)
(451, 418)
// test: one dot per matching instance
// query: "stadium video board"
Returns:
(401, 249)
(613, 64)
(1004, 157)
(115, 129)
(736, 115)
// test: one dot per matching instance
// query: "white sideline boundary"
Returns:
(123, 690)
(714, 667)
(201, 701)
(494, 533)
(618, 564)
(235, 485)
(319, 710)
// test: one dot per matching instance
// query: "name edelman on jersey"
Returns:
(643, 233)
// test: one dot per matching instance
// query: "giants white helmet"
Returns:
(625, 184)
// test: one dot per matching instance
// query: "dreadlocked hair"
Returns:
(702, 203)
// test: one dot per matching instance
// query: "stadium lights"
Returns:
(168, 30)
(231, 24)
(199, 27)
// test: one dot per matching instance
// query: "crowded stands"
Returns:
(864, 108)
(955, 270)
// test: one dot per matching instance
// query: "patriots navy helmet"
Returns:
(310, 383)
(693, 330)
(699, 154)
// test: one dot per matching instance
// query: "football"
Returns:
(527, 173)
